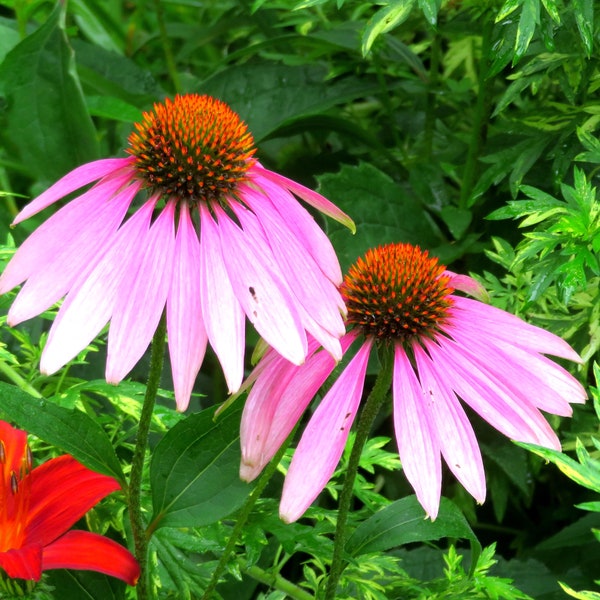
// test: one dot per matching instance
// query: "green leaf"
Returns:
(386, 211)
(267, 96)
(384, 20)
(84, 585)
(70, 430)
(530, 17)
(403, 522)
(46, 122)
(430, 9)
(508, 8)
(584, 16)
(194, 471)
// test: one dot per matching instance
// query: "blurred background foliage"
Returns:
(468, 127)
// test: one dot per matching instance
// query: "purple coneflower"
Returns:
(214, 236)
(444, 347)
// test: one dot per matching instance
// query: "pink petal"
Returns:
(505, 326)
(468, 285)
(93, 552)
(187, 336)
(324, 438)
(89, 305)
(261, 293)
(221, 312)
(416, 435)
(455, 434)
(299, 221)
(276, 402)
(512, 415)
(316, 200)
(141, 296)
(79, 238)
(73, 181)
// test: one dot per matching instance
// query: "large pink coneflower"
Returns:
(192, 222)
(445, 347)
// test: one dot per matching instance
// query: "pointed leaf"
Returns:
(70, 430)
(384, 20)
(194, 471)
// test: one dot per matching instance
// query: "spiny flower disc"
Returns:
(193, 148)
(397, 292)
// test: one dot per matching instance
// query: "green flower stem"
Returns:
(140, 540)
(482, 113)
(166, 44)
(242, 517)
(374, 402)
(12, 375)
(275, 581)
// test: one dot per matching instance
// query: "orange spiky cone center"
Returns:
(192, 148)
(397, 292)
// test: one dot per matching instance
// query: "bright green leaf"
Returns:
(195, 471)
(70, 430)
(584, 16)
(530, 17)
(384, 20)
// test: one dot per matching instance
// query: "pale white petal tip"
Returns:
(468, 285)
(288, 518)
(249, 472)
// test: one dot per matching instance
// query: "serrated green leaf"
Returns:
(403, 522)
(386, 211)
(584, 16)
(530, 17)
(70, 430)
(384, 20)
(46, 120)
(194, 471)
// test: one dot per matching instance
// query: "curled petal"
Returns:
(23, 563)
(85, 550)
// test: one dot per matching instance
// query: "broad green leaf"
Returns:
(113, 108)
(384, 20)
(530, 17)
(387, 212)
(584, 16)
(70, 430)
(267, 96)
(403, 522)
(430, 9)
(194, 471)
(508, 8)
(46, 120)
(84, 585)
(552, 9)
(9, 38)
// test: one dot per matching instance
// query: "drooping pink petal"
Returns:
(185, 326)
(141, 296)
(262, 295)
(72, 181)
(89, 304)
(62, 491)
(85, 550)
(23, 563)
(315, 200)
(513, 415)
(276, 403)
(221, 311)
(416, 434)
(456, 437)
(299, 221)
(324, 438)
(80, 239)
(508, 327)
(526, 374)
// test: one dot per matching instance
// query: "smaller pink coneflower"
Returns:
(214, 236)
(445, 347)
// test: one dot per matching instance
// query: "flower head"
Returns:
(445, 347)
(215, 237)
(38, 506)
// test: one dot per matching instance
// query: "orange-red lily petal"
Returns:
(37, 507)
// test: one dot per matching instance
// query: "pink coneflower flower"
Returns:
(444, 347)
(215, 236)
(39, 506)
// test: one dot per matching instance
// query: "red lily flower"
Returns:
(38, 506)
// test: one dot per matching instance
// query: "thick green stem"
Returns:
(166, 44)
(138, 526)
(480, 122)
(372, 406)
(275, 581)
(242, 517)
